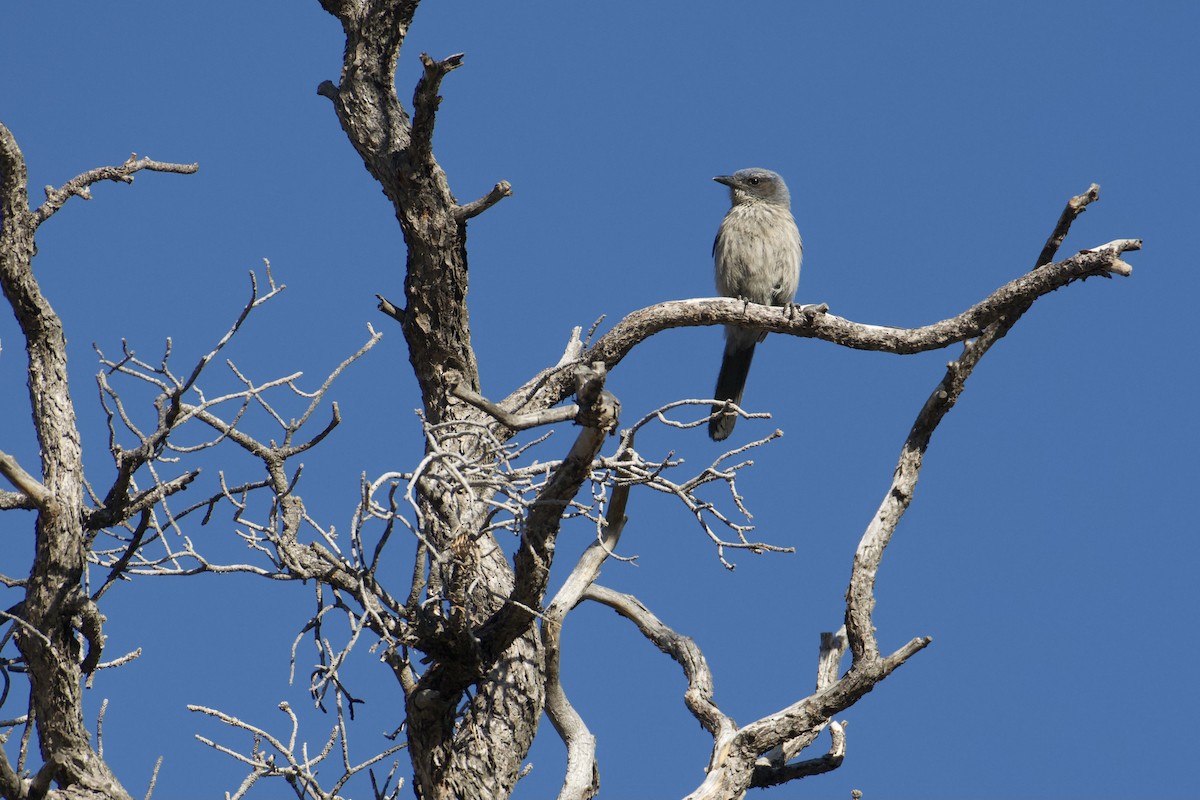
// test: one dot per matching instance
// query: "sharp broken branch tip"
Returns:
(450, 62)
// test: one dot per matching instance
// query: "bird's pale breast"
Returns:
(757, 254)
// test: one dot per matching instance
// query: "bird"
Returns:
(756, 256)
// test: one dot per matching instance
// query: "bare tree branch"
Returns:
(582, 778)
(775, 775)
(29, 486)
(57, 571)
(699, 695)
(289, 760)
(12, 501)
(55, 607)
(474, 208)
(860, 599)
(517, 422)
(11, 785)
(613, 346)
(118, 505)
(1075, 206)
(833, 647)
(81, 185)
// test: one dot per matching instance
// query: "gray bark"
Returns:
(54, 598)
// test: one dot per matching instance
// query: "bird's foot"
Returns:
(808, 310)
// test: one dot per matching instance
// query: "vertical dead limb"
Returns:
(396, 149)
(582, 778)
(53, 589)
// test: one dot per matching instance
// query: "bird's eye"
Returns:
(755, 180)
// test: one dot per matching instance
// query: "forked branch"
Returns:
(860, 598)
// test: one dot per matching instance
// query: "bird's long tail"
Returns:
(731, 382)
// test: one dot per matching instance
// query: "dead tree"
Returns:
(472, 638)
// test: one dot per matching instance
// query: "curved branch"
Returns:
(699, 695)
(765, 775)
(735, 760)
(474, 208)
(860, 596)
(810, 322)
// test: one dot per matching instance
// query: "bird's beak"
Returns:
(727, 180)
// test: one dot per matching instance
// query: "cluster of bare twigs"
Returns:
(627, 467)
(139, 499)
(150, 540)
(272, 757)
(134, 528)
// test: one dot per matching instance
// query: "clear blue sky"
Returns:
(1051, 550)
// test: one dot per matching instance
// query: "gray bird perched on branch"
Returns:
(757, 258)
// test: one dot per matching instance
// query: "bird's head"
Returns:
(756, 185)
